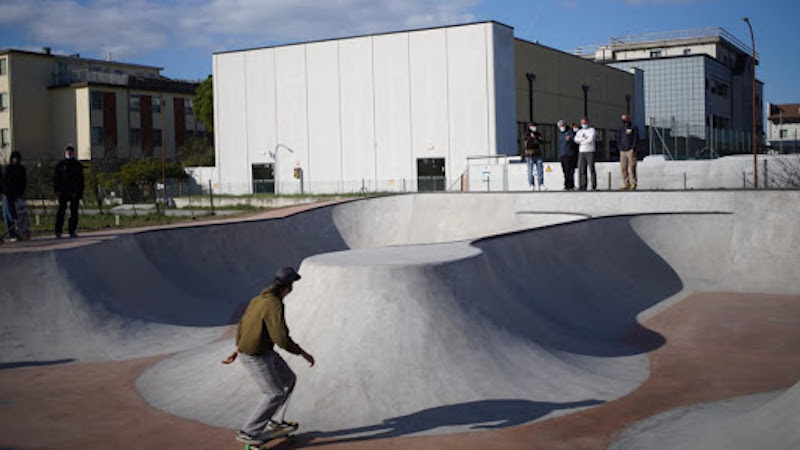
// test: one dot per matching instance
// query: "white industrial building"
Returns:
(398, 111)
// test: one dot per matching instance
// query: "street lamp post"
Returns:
(531, 77)
(755, 137)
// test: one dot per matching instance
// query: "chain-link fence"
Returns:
(680, 140)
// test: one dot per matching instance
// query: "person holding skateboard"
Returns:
(263, 326)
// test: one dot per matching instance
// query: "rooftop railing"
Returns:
(667, 37)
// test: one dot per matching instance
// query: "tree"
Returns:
(204, 104)
(145, 173)
(197, 151)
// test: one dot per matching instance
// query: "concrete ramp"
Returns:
(534, 315)
(770, 420)
(427, 313)
(148, 293)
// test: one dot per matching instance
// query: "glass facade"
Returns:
(691, 106)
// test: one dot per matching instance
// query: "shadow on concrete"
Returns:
(484, 414)
(18, 364)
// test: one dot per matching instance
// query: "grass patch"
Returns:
(97, 222)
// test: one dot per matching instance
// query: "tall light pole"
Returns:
(755, 137)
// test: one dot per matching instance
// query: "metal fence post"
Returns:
(211, 196)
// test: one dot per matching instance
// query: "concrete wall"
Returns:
(29, 98)
(64, 118)
(730, 172)
(557, 89)
(364, 108)
(83, 121)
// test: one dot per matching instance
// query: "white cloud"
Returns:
(136, 27)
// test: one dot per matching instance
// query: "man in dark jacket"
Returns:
(15, 180)
(627, 140)
(567, 154)
(532, 152)
(263, 326)
(68, 186)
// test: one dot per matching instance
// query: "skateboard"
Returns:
(22, 225)
(291, 427)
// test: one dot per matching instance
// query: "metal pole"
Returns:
(163, 103)
(585, 100)
(531, 77)
(755, 136)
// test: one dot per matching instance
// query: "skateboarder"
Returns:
(262, 326)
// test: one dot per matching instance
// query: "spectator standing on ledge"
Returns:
(533, 155)
(567, 154)
(68, 186)
(585, 138)
(14, 181)
(627, 140)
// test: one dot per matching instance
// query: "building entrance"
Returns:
(431, 174)
(263, 179)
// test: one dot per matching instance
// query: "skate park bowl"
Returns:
(427, 313)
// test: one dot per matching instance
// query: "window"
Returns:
(5, 137)
(135, 102)
(97, 135)
(136, 137)
(784, 134)
(187, 105)
(655, 54)
(156, 137)
(97, 100)
(3, 66)
(156, 102)
(3, 101)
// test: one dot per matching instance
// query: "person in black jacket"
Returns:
(627, 140)
(68, 186)
(14, 181)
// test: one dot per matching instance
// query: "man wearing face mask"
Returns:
(567, 154)
(68, 187)
(585, 138)
(627, 139)
(533, 155)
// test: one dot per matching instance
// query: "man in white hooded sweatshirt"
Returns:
(585, 138)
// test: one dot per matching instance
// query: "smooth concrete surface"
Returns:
(769, 420)
(729, 172)
(423, 319)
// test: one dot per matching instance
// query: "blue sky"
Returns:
(181, 35)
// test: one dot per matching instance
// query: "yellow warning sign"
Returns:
(548, 168)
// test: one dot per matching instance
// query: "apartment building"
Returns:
(105, 109)
(697, 89)
(783, 127)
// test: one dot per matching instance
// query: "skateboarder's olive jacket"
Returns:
(263, 324)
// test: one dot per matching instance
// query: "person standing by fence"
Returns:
(585, 138)
(627, 140)
(68, 187)
(14, 181)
